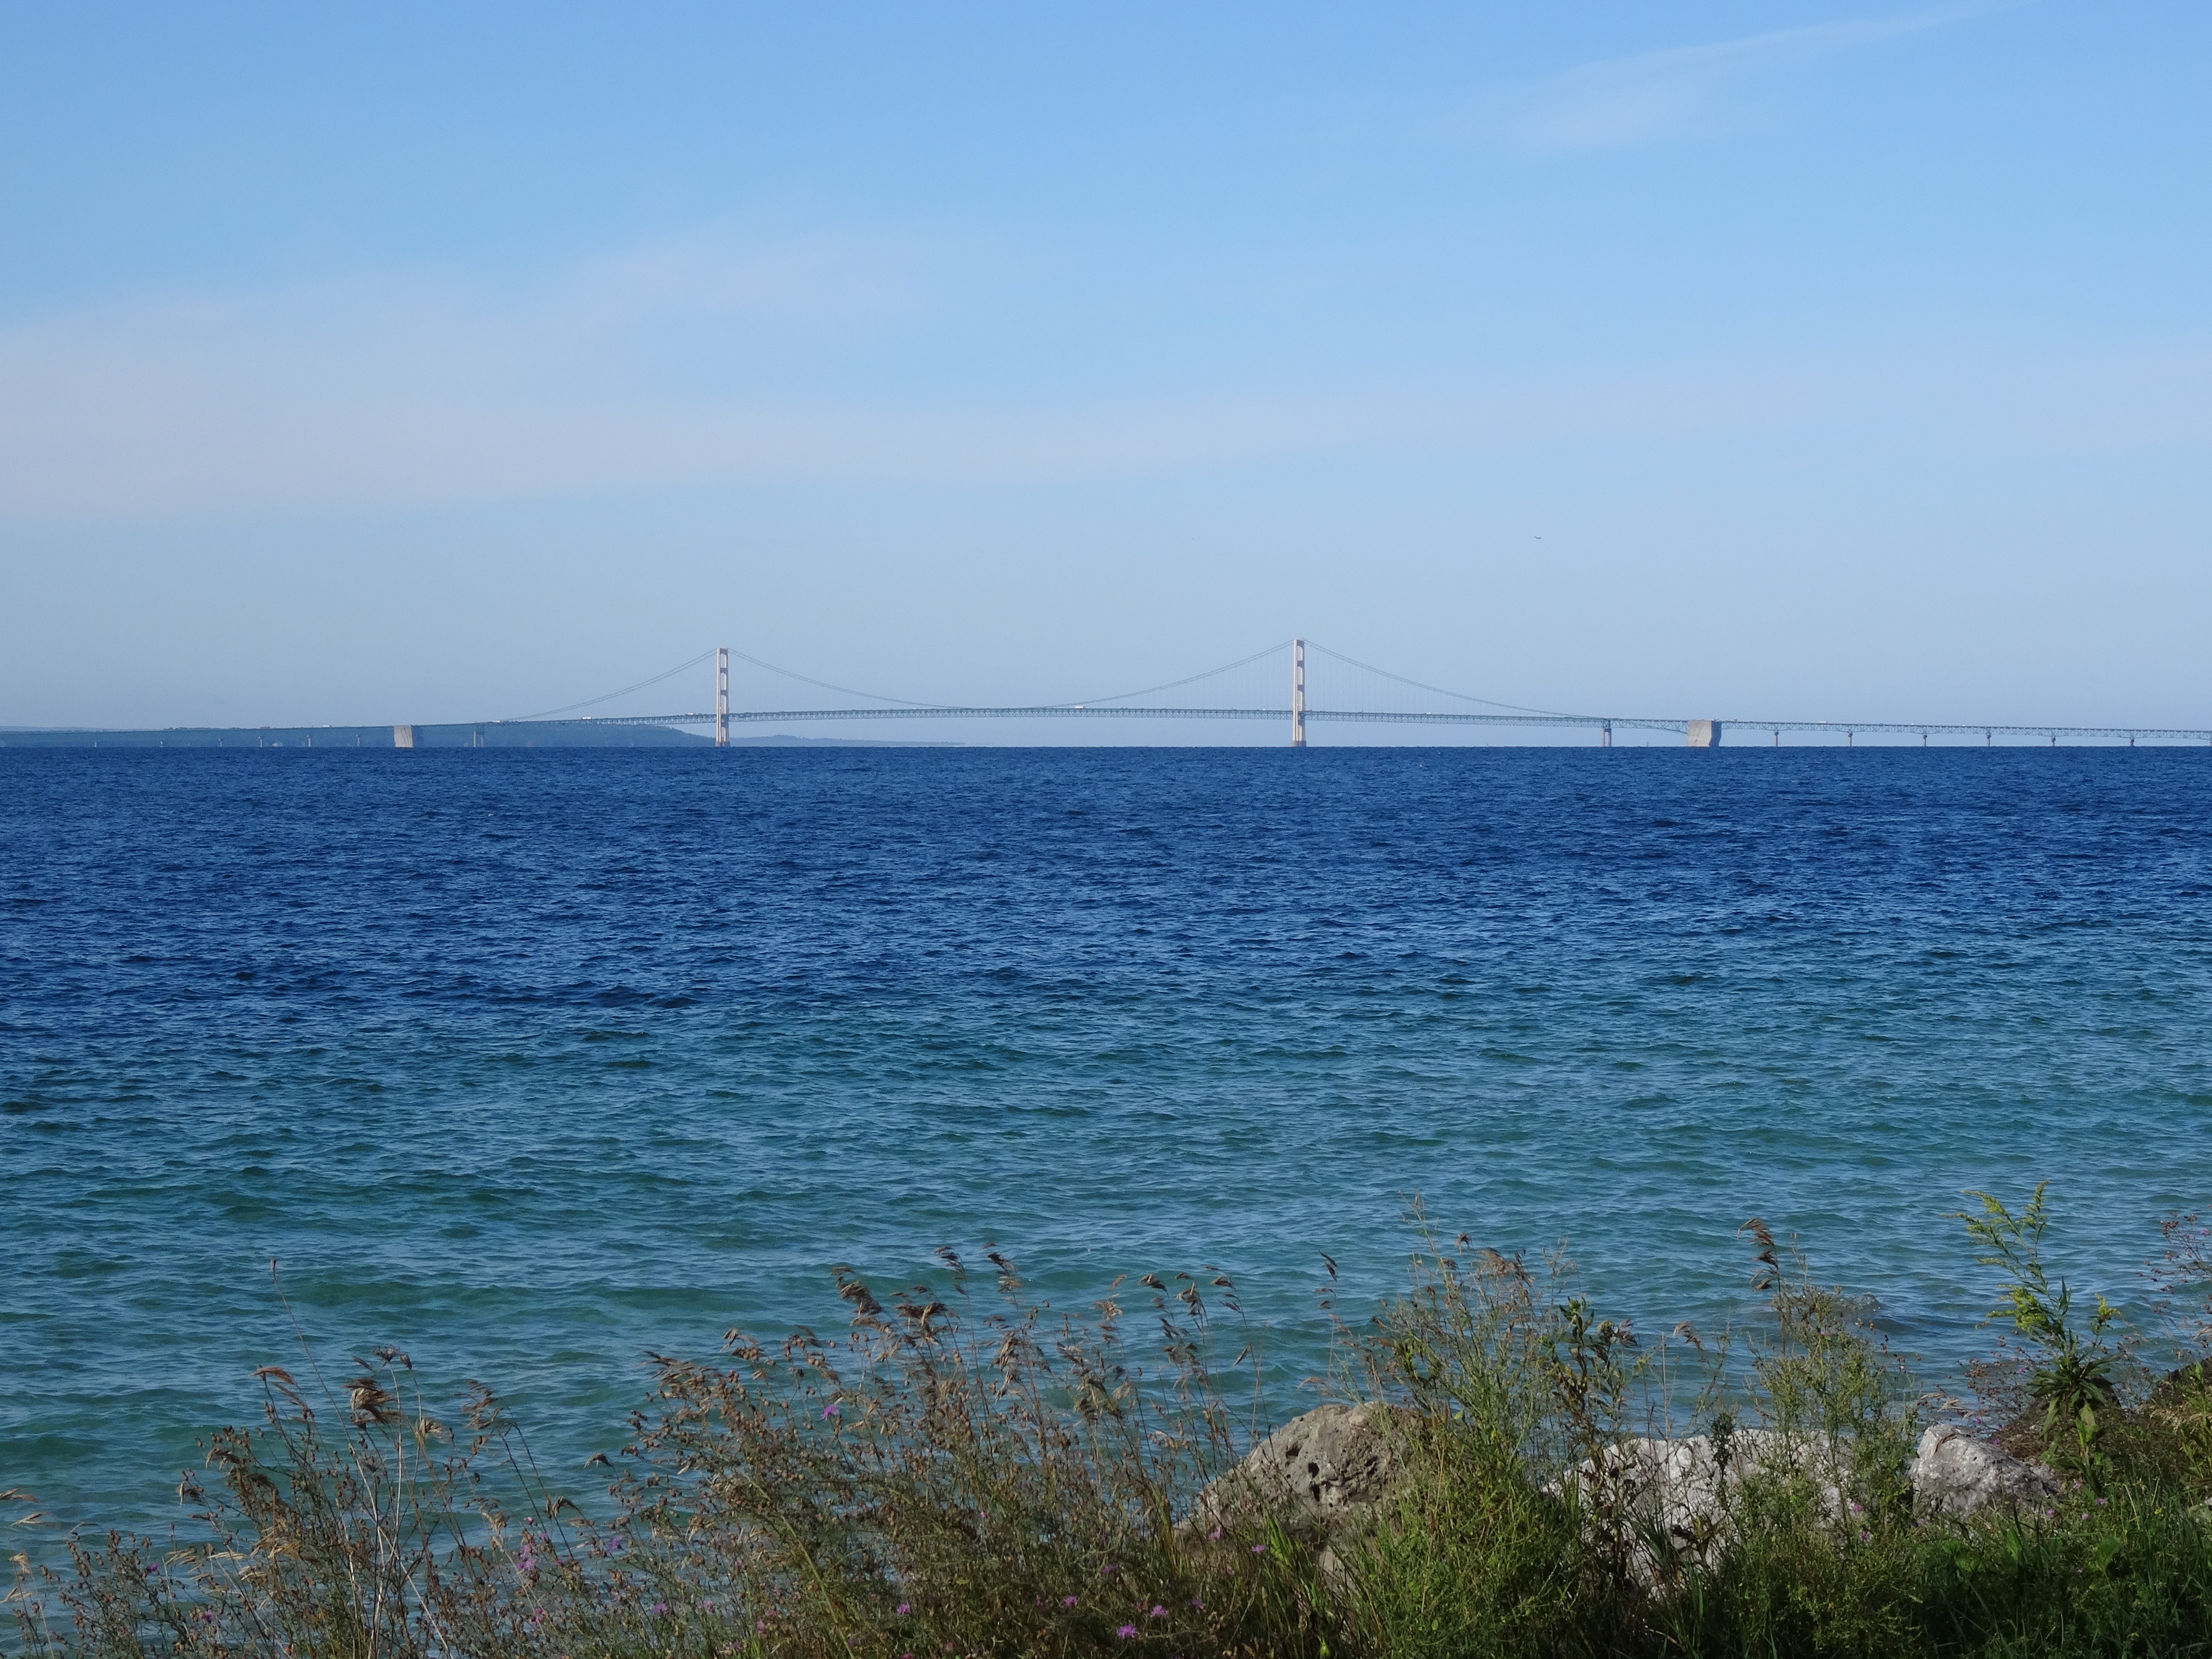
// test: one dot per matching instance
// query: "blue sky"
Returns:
(1772, 360)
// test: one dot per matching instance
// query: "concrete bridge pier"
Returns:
(1705, 734)
(402, 737)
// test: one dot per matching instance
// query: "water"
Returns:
(532, 1061)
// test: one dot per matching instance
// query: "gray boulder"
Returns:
(1324, 1466)
(1958, 1475)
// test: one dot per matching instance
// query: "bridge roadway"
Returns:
(1847, 729)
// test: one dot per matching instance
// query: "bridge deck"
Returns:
(1372, 716)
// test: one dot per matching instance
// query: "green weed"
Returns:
(965, 1470)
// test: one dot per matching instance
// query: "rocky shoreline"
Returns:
(1334, 1467)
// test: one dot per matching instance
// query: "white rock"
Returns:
(1673, 1501)
(1956, 1474)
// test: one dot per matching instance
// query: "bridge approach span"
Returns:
(1604, 724)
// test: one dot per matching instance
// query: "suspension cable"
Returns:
(1419, 685)
(908, 703)
(874, 696)
(592, 702)
(1187, 679)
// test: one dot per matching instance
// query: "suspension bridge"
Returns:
(1353, 688)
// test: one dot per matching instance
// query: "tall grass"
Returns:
(964, 1469)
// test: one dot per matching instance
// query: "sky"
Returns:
(433, 363)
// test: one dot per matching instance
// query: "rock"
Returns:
(1673, 1501)
(1684, 1484)
(1323, 1466)
(1957, 1475)
(1334, 1575)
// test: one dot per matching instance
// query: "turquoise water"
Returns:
(532, 1061)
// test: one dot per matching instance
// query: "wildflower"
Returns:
(1125, 1632)
(1109, 1569)
(1067, 1601)
(905, 1607)
(1259, 1549)
(832, 1410)
(1158, 1612)
(1214, 1536)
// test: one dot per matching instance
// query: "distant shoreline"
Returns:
(580, 735)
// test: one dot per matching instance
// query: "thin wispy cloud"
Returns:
(410, 393)
(1651, 97)
(683, 363)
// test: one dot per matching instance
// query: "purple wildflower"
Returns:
(1067, 1601)
(1125, 1632)
(905, 1607)
(1158, 1612)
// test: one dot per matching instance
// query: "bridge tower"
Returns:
(721, 696)
(1297, 694)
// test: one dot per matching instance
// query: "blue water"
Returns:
(532, 1061)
